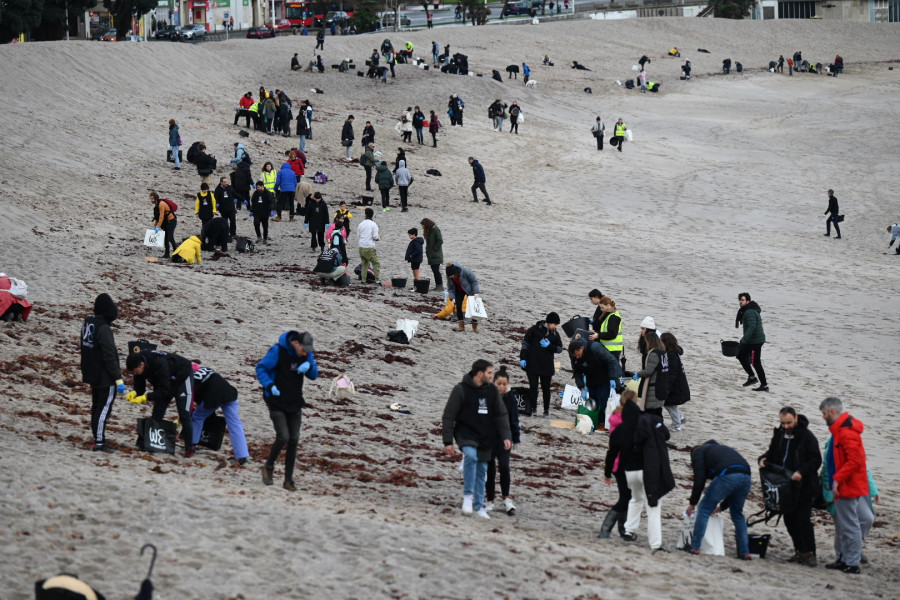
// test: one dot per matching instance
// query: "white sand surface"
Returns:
(722, 191)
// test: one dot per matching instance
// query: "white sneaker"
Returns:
(483, 514)
(510, 507)
(684, 419)
(489, 506)
(677, 427)
(467, 505)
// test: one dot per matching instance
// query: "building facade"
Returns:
(860, 11)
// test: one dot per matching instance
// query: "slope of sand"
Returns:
(722, 191)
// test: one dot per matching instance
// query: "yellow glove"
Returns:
(138, 400)
(130, 396)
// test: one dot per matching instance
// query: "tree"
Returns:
(732, 9)
(365, 15)
(123, 10)
(53, 18)
(476, 10)
(17, 17)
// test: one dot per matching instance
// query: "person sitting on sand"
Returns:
(579, 66)
(295, 63)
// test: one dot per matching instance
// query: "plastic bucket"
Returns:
(759, 544)
(422, 285)
(730, 348)
(398, 282)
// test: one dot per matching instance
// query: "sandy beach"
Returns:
(722, 191)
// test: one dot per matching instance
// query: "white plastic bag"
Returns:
(341, 387)
(571, 398)
(611, 406)
(18, 288)
(713, 540)
(407, 326)
(629, 137)
(584, 425)
(154, 239)
(475, 308)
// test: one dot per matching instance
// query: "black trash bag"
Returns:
(398, 336)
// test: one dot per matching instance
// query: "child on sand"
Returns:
(415, 251)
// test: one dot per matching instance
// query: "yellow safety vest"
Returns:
(617, 344)
(620, 130)
(268, 179)
(254, 108)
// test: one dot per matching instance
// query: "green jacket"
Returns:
(383, 177)
(753, 328)
(434, 247)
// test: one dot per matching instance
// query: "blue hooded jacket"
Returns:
(286, 180)
(265, 369)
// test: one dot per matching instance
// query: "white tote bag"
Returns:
(571, 398)
(611, 405)
(154, 239)
(341, 387)
(407, 326)
(475, 308)
(629, 137)
(713, 540)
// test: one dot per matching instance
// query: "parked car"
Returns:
(517, 8)
(109, 36)
(335, 15)
(260, 33)
(387, 20)
(282, 25)
(192, 32)
(98, 33)
(166, 33)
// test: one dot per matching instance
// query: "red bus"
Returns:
(313, 14)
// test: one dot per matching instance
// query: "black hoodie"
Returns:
(538, 359)
(475, 416)
(165, 371)
(710, 460)
(99, 357)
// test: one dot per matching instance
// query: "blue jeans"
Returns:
(303, 144)
(174, 150)
(232, 421)
(734, 487)
(474, 476)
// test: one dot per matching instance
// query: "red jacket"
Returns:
(246, 102)
(297, 167)
(849, 458)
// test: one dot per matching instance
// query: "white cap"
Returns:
(648, 323)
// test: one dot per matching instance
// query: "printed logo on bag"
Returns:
(157, 438)
(482, 406)
(154, 238)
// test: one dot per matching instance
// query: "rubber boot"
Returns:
(460, 325)
(620, 522)
(608, 523)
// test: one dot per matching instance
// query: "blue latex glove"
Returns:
(306, 225)
(584, 394)
(275, 391)
(303, 368)
(120, 388)
(522, 363)
(612, 384)
(251, 213)
(545, 343)
(272, 214)
(635, 377)
(156, 230)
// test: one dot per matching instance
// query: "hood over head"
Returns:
(106, 308)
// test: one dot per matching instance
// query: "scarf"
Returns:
(741, 310)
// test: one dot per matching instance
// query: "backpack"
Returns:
(192, 152)
(779, 493)
(172, 206)
(320, 177)
(244, 244)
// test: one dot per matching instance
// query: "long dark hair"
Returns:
(653, 341)
(427, 225)
(670, 342)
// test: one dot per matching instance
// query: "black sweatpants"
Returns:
(480, 186)
(287, 433)
(102, 399)
(533, 379)
(439, 282)
(621, 504)
(242, 113)
(368, 169)
(264, 221)
(800, 527)
(286, 203)
(169, 239)
(385, 197)
(184, 396)
(600, 141)
(501, 460)
(232, 222)
(404, 190)
(460, 302)
(433, 139)
(621, 141)
(750, 356)
(514, 121)
(317, 237)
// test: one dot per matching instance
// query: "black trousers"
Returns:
(287, 434)
(286, 203)
(320, 44)
(242, 113)
(385, 197)
(184, 395)
(480, 186)
(433, 139)
(232, 222)
(404, 190)
(533, 379)
(102, 399)
(750, 356)
(621, 141)
(264, 221)
(600, 141)
(368, 169)
(460, 302)
(439, 282)
(169, 240)
(501, 460)
(513, 125)
(317, 237)
(624, 491)
(837, 228)
(800, 527)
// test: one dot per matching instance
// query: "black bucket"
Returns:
(422, 285)
(730, 348)
(759, 544)
(398, 282)
(575, 323)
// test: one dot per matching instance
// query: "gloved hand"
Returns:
(274, 391)
(584, 394)
(306, 225)
(251, 213)
(120, 386)
(138, 399)
(156, 230)
(131, 395)
(272, 213)
(635, 377)
(545, 343)
(522, 363)
(303, 368)
(612, 384)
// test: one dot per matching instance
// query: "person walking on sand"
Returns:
(833, 217)
(404, 178)
(619, 445)
(780, 67)
(652, 482)
(500, 459)
(170, 376)
(480, 180)
(474, 417)
(678, 391)
(317, 221)
(462, 283)
(212, 393)
(751, 343)
(621, 128)
(598, 131)
(537, 356)
(434, 250)
(434, 125)
(225, 202)
(794, 447)
(347, 136)
(286, 188)
(175, 143)
(281, 373)
(729, 475)
(385, 180)
(367, 234)
(100, 367)
(261, 204)
(514, 112)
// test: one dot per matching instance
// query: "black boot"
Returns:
(608, 523)
(620, 521)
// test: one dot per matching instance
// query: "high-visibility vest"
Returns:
(254, 108)
(268, 179)
(617, 344)
(620, 129)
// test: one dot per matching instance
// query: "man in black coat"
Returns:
(596, 370)
(730, 477)
(206, 163)
(225, 202)
(215, 233)
(170, 376)
(347, 136)
(242, 181)
(316, 221)
(795, 448)
(832, 212)
(540, 346)
(100, 366)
